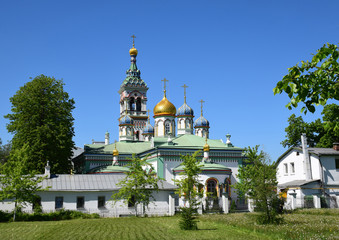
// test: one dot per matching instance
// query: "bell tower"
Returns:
(133, 96)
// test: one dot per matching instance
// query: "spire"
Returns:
(201, 101)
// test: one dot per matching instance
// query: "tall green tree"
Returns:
(312, 82)
(42, 117)
(257, 181)
(17, 183)
(4, 152)
(189, 188)
(320, 133)
(139, 184)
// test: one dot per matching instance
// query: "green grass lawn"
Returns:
(307, 224)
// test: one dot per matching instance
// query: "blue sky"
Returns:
(230, 54)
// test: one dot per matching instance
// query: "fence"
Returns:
(312, 202)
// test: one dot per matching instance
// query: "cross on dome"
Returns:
(164, 80)
(184, 86)
(133, 36)
(201, 101)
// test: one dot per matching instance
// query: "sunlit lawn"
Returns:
(317, 224)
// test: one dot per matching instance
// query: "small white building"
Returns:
(309, 177)
(91, 193)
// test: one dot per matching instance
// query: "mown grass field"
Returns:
(307, 224)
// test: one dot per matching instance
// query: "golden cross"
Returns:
(164, 80)
(184, 86)
(133, 38)
(201, 101)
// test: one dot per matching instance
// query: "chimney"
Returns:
(48, 170)
(336, 146)
(307, 164)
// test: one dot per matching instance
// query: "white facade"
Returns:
(299, 182)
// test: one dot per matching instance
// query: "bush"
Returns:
(188, 219)
(52, 216)
(5, 216)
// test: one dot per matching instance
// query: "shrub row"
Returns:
(52, 216)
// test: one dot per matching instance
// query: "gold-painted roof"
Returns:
(164, 107)
(133, 51)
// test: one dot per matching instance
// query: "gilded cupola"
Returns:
(164, 107)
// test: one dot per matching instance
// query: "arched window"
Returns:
(228, 186)
(138, 104)
(167, 128)
(187, 125)
(212, 186)
(131, 104)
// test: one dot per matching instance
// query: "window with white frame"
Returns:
(292, 167)
(285, 169)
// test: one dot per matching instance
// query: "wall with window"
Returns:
(94, 202)
(291, 167)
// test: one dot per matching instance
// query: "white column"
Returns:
(293, 200)
(250, 203)
(316, 201)
(225, 203)
(171, 204)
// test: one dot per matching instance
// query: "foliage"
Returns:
(188, 189)
(319, 133)
(138, 185)
(41, 117)
(4, 152)
(313, 82)
(17, 182)
(52, 216)
(257, 179)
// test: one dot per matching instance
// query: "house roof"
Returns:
(296, 183)
(90, 182)
(316, 151)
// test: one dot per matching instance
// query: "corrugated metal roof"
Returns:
(296, 183)
(90, 182)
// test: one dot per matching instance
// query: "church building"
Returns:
(175, 133)
(102, 165)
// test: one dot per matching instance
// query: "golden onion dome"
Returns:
(133, 51)
(115, 151)
(206, 148)
(164, 107)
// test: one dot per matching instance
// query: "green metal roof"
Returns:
(181, 142)
(196, 142)
(122, 147)
(110, 169)
(206, 167)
